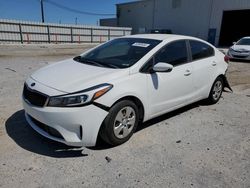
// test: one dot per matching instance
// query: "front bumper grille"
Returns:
(34, 97)
(239, 56)
(51, 131)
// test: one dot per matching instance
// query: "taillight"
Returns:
(226, 58)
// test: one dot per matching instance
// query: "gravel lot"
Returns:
(196, 146)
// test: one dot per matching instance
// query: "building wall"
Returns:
(167, 14)
(223, 5)
(188, 17)
(137, 15)
(111, 22)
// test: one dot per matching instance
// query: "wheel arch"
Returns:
(132, 98)
(225, 81)
(137, 102)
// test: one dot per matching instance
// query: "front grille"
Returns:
(238, 56)
(33, 97)
(51, 131)
(243, 51)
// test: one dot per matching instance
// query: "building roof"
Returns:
(132, 2)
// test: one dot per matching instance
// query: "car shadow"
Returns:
(19, 130)
(102, 145)
(169, 115)
(24, 136)
(239, 61)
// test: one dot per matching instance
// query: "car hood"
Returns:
(241, 47)
(71, 76)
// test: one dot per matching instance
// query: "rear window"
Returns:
(200, 50)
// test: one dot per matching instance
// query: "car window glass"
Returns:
(118, 49)
(121, 52)
(200, 50)
(244, 42)
(174, 53)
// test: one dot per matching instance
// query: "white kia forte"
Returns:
(109, 90)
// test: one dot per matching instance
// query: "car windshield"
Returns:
(244, 42)
(119, 53)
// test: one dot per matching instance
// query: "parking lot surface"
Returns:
(196, 146)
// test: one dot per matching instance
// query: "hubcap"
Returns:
(124, 122)
(217, 90)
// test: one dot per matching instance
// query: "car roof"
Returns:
(160, 36)
(246, 38)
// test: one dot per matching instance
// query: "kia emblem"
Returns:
(33, 84)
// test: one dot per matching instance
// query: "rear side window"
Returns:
(174, 53)
(200, 50)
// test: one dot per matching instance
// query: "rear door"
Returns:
(168, 90)
(204, 64)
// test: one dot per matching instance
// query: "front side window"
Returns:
(174, 53)
(119, 53)
(200, 50)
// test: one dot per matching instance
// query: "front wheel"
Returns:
(120, 123)
(216, 91)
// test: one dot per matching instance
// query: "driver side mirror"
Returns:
(162, 67)
(234, 43)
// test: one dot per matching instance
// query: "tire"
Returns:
(216, 91)
(120, 123)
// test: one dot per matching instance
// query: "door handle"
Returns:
(187, 73)
(214, 63)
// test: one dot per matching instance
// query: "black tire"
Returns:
(107, 131)
(213, 99)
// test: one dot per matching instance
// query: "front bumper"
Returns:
(240, 56)
(78, 126)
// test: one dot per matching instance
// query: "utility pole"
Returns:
(75, 20)
(41, 1)
(153, 17)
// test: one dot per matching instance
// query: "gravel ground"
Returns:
(196, 146)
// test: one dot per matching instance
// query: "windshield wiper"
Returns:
(112, 66)
(93, 62)
(97, 63)
(82, 60)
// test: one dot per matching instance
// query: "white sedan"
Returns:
(109, 90)
(240, 50)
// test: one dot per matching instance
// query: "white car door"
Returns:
(204, 65)
(170, 90)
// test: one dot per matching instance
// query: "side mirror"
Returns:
(234, 43)
(162, 67)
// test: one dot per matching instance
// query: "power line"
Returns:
(75, 10)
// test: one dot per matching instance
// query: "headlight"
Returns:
(79, 98)
(230, 50)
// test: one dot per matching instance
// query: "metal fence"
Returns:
(12, 31)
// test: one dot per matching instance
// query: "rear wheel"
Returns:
(216, 91)
(120, 123)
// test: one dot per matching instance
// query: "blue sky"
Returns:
(30, 10)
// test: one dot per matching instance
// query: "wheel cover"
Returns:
(124, 122)
(217, 90)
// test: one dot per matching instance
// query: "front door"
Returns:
(169, 90)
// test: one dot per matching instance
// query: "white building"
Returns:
(219, 21)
